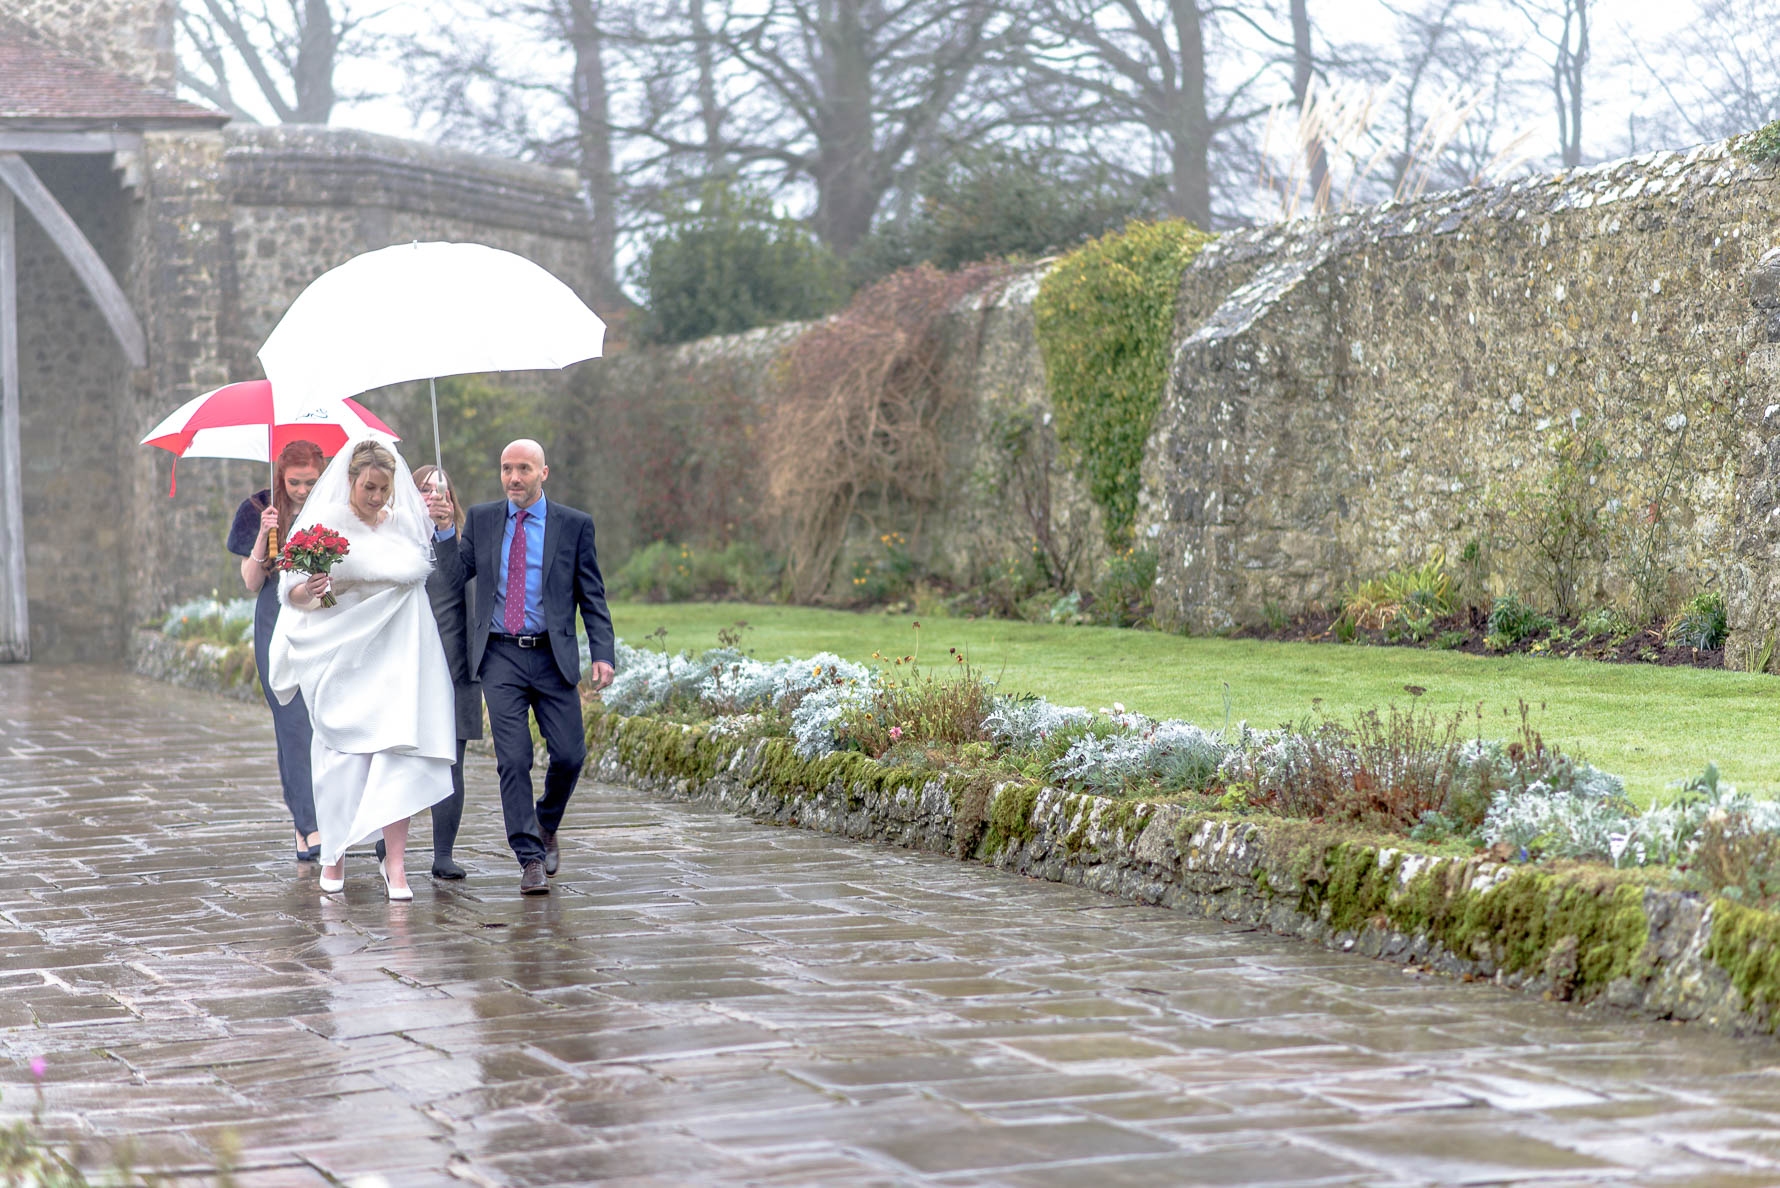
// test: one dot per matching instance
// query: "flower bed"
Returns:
(1395, 835)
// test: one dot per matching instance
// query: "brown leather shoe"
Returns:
(552, 856)
(532, 880)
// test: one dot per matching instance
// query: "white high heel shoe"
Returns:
(402, 896)
(333, 886)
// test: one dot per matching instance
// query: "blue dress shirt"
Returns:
(534, 567)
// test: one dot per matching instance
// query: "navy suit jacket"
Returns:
(445, 590)
(571, 581)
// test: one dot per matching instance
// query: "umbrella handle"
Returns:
(271, 545)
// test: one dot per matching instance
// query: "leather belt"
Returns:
(524, 641)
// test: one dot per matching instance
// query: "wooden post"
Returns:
(15, 622)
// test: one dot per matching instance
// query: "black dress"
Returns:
(289, 722)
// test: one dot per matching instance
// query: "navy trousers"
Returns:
(448, 814)
(290, 723)
(519, 684)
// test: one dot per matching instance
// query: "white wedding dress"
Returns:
(371, 669)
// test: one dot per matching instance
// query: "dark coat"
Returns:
(571, 582)
(447, 590)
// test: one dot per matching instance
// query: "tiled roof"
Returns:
(43, 84)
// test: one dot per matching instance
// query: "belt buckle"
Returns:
(527, 641)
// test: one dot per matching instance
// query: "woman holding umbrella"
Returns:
(294, 475)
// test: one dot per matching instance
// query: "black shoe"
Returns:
(381, 852)
(552, 856)
(532, 881)
(307, 852)
(445, 868)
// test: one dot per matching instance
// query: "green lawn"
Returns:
(1649, 725)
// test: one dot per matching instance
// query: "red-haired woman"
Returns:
(299, 465)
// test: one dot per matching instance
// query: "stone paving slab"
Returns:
(705, 1000)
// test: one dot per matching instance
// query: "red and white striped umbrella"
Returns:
(236, 421)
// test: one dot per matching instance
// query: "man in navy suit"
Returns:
(537, 565)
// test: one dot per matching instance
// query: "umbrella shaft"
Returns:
(438, 450)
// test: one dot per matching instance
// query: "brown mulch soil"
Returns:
(1644, 646)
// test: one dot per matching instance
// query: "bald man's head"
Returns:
(523, 472)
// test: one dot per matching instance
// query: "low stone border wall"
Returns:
(195, 665)
(1568, 931)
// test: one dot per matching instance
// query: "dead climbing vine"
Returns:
(858, 423)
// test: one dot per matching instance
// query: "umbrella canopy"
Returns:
(236, 421)
(421, 310)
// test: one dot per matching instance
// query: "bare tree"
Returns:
(1144, 66)
(592, 105)
(533, 78)
(836, 94)
(1716, 75)
(289, 50)
(1304, 63)
(1564, 26)
(710, 110)
(1443, 61)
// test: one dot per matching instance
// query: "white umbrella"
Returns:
(420, 310)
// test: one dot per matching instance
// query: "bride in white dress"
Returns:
(370, 668)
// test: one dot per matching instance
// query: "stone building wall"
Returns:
(1371, 387)
(132, 37)
(182, 286)
(76, 499)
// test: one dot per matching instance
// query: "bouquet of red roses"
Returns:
(314, 550)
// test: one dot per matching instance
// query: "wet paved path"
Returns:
(709, 1001)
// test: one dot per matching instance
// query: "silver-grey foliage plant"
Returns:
(1547, 804)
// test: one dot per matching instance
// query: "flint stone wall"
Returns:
(1236, 871)
(1354, 393)
(1368, 387)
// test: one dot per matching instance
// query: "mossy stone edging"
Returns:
(1567, 931)
(195, 664)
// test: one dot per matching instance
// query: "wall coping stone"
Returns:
(1283, 254)
(308, 165)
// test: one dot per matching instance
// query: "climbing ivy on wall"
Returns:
(1763, 144)
(1105, 317)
